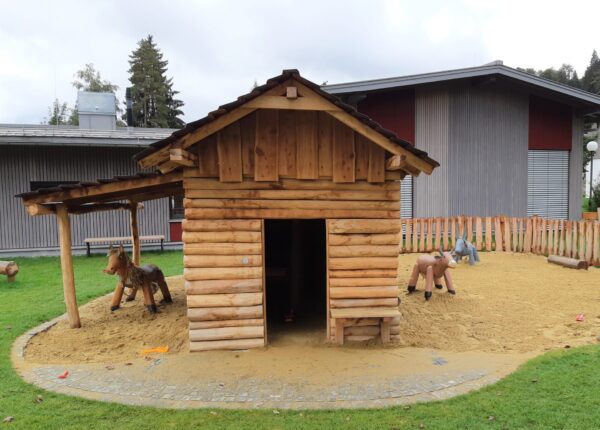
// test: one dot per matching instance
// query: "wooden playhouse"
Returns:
(292, 207)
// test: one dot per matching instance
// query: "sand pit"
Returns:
(510, 303)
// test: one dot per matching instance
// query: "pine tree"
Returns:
(153, 96)
(591, 77)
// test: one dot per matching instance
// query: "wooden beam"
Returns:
(182, 157)
(300, 103)
(135, 233)
(399, 162)
(66, 263)
(36, 209)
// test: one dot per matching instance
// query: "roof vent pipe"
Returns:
(129, 104)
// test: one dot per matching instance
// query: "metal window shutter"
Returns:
(548, 184)
(406, 197)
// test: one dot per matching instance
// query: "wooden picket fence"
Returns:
(576, 239)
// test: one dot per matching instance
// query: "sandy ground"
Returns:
(509, 303)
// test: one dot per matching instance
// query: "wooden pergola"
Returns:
(119, 193)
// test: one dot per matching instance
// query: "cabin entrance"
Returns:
(295, 279)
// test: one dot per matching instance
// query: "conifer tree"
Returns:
(154, 99)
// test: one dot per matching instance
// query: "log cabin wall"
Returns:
(280, 164)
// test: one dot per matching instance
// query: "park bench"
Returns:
(384, 314)
(124, 239)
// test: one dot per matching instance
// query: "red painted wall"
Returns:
(395, 110)
(175, 231)
(550, 124)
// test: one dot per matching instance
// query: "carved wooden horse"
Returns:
(148, 277)
(433, 268)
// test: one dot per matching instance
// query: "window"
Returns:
(176, 210)
(36, 185)
(548, 184)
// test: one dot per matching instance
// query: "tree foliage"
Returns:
(58, 114)
(89, 79)
(154, 99)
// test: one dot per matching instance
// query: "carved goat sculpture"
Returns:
(464, 248)
(433, 268)
(148, 277)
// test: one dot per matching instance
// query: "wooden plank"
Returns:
(221, 236)
(229, 149)
(488, 233)
(66, 266)
(365, 313)
(415, 236)
(498, 234)
(581, 228)
(561, 240)
(361, 147)
(248, 134)
(192, 183)
(363, 292)
(293, 194)
(299, 104)
(266, 151)
(363, 282)
(478, 233)
(351, 263)
(346, 226)
(589, 242)
(233, 248)
(408, 236)
(596, 244)
(231, 313)
(208, 158)
(364, 251)
(224, 286)
(429, 234)
(325, 144)
(222, 261)
(287, 143)
(366, 273)
(507, 234)
(544, 236)
(446, 234)
(470, 229)
(289, 213)
(135, 234)
(423, 236)
(528, 236)
(307, 151)
(568, 238)
(343, 153)
(291, 204)
(237, 344)
(222, 333)
(438, 234)
(364, 239)
(226, 323)
(362, 303)
(221, 225)
(515, 234)
(376, 173)
(224, 300)
(222, 273)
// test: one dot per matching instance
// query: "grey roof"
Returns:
(26, 134)
(96, 103)
(495, 68)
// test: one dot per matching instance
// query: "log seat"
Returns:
(385, 316)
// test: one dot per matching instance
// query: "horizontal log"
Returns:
(351, 263)
(224, 300)
(294, 194)
(571, 263)
(222, 273)
(222, 248)
(286, 184)
(232, 313)
(362, 292)
(364, 251)
(222, 260)
(362, 282)
(362, 303)
(364, 239)
(222, 225)
(394, 322)
(222, 237)
(226, 344)
(362, 331)
(366, 273)
(224, 286)
(367, 312)
(226, 333)
(291, 204)
(347, 226)
(227, 323)
(358, 338)
(198, 213)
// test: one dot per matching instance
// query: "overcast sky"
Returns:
(216, 49)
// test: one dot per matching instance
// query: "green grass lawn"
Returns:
(560, 390)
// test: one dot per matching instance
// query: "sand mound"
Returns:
(508, 303)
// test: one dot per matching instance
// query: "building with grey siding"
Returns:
(38, 156)
(508, 142)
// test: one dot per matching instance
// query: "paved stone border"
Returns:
(92, 381)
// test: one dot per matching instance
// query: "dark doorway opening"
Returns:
(295, 262)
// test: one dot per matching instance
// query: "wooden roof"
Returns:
(272, 95)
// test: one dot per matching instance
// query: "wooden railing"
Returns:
(576, 239)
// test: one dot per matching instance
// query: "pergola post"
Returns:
(135, 234)
(66, 263)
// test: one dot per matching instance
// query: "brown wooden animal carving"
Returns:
(148, 278)
(433, 268)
